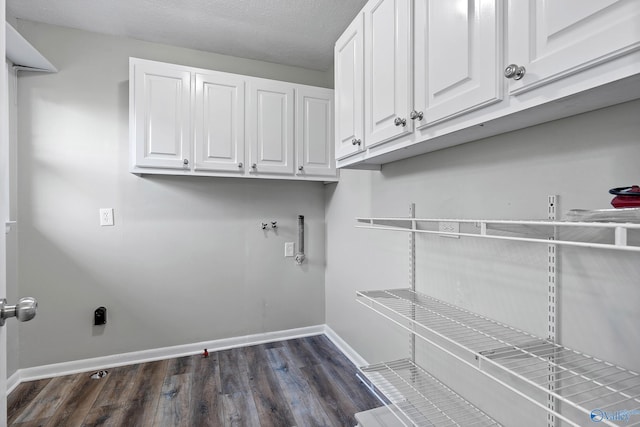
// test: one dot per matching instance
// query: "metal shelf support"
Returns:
(412, 272)
(552, 307)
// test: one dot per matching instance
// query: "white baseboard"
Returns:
(345, 348)
(13, 381)
(98, 363)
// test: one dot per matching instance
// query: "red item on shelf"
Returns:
(626, 197)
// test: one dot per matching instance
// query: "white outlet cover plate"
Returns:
(106, 216)
(288, 249)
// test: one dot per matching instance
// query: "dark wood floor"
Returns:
(301, 382)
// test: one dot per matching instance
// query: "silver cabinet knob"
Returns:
(24, 311)
(240, 165)
(400, 122)
(416, 115)
(254, 166)
(185, 162)
(300, 168)
(515, 72)
(356, 141)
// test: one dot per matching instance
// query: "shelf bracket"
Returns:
(412, 273)
(620, 236)
(552, 306)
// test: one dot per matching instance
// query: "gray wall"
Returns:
(186, 261)
(507, 176)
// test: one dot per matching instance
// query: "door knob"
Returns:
(400, 122)
(515, 72)
(416, 115)
(24, 310)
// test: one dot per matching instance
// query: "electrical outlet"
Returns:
(288, 249)
(106, 216)
(449, 227)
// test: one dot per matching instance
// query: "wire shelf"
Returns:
(529, 231)
(583, 382)
(423, 399)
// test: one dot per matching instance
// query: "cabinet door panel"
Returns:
(161, 116)
(456, 52)
(387, 78)
(219, 125)
(553, 39)
(314, 132)
(349, 62)
(271, 124)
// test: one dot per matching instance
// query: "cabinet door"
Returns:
(314, 132)
(219, 123)
(456, 58)
(387, 76)
(553, 39)
(160, 122)
(349, 86)
(270, 126)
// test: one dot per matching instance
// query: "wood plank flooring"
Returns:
(301, 382)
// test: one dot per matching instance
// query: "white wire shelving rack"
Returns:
(581, 380)
(619, 231)
(423, 399)
(516, 359)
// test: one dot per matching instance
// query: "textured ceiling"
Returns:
(292, 32)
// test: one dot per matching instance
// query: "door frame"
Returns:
(4, 203)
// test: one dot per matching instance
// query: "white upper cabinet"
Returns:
(349, 73)
(438, 73)
(553, 39)
(425, 62)
(160, 116)
(192, 121)
(219, 123)
(456, 58)
(387, 71)
(270, 124)
(314, 132)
